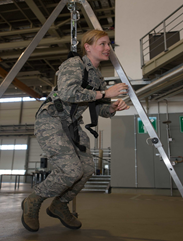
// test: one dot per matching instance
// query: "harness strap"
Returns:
(71, 130)
(94, 118)
(68, 133)
(92, 107)
(46, 101)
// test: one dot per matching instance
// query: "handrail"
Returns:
(147, 49)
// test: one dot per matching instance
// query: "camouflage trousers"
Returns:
(69, 172)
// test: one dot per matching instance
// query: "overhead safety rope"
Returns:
(75, 16)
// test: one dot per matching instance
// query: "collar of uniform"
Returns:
(87, 63)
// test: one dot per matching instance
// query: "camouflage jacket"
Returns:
(70, 77)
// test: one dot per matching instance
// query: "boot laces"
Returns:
(34, 209)
(66, 211)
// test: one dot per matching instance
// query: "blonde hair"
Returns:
(91, 37)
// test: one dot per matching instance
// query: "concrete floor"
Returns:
(114, 217)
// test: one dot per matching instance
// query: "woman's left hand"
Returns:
(118, 106)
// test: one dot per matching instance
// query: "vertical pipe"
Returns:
(100, 161)
(159, 127)
(135, 150)
(141, 53)
(96, 140)
(74, 206)
(165, 42)
(27, 157)
(168, 143)
(159, 132)
(101, 139)
(21, 110)
(167, 127)
(147, 105)
(13, 158)
(0, 151)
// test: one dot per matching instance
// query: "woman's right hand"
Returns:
(115, 90)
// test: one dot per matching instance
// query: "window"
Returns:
(19, 99)
(13, 147)
(20, 172)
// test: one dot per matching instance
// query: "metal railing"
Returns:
(164, 35)
(106, 161)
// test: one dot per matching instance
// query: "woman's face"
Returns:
(98, 51)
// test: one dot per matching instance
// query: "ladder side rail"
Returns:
(150, 129)
(31, 47)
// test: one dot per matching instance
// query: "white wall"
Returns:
(134, 19)
(10, 112)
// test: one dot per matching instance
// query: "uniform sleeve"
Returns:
(103, 105)
(103, 110)
(70, 77)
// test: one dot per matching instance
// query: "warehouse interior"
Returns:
(131, 195)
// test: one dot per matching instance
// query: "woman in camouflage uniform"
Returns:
(71, 167)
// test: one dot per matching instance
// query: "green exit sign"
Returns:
(141, 127)
(181, 124)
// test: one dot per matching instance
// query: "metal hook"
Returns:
(148, 140)
(154, 140)
(71, 6)
(74, 45)
(75, 14)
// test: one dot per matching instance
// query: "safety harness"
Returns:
(72, 130)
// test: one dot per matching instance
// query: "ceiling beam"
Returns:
(35, 78)
(20, 31)
(44, 6)
(35, 30)
(17, 83)
(6, 21)
(45, 41)
(40, 16)
(51, 66)
(104, 9)
(37, 53)
(31, 24)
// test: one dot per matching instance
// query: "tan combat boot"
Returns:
(30, 216)
(60, 210)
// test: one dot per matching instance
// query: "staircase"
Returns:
(98, 183)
